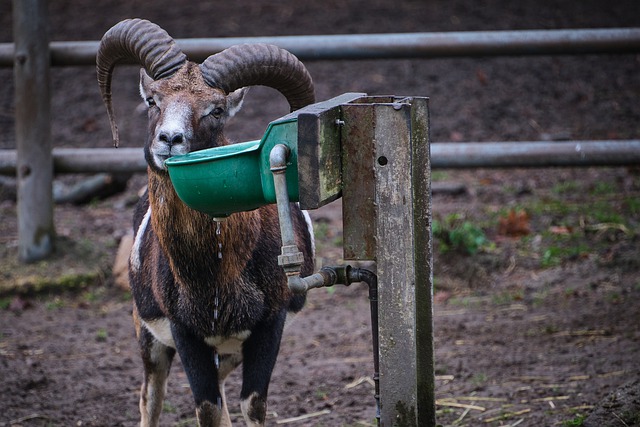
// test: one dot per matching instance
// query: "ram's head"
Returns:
(188, 102)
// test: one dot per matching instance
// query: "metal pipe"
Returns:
(85, 160)
(346, 275)
(368, 277)
(291, 258)
(443, 155)
(387, 46)
(534, 154)
(326, 277)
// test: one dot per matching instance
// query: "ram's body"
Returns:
(209, 289)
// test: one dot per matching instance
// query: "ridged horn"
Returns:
(260, 64)
(140, 41)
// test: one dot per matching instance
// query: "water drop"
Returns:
(218, 233)
(216, 303)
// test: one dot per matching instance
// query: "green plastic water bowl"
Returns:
(232, 178)
(222, 180)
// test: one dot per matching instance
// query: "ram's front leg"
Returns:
(157, 360)
(260, 352)
(198, 360)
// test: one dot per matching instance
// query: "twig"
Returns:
(620, 419)
(511, 267)
(461, 417)
(581, 407)
(445, 378)
(602, 227)
(478, 398)
(612, 374)
(507, 415)
(304, 417)
(579, 378)
(551, 398)
(459, 405)
(358, 382)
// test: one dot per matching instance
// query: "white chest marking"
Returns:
(307, 219)
(134, 259)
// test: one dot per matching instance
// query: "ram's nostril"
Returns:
(176, 138)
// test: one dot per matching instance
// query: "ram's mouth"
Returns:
(159, 159)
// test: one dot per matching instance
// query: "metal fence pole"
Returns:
(33, 130)
(390, 45)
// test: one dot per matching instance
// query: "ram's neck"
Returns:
(197, 249)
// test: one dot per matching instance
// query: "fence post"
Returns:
(34, 172)
(386, 205)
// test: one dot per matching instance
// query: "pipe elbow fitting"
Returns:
(278, 158)
(300, 285)
(297, 284)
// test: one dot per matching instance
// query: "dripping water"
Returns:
(216, 303)
(216, 356)
(218, 233)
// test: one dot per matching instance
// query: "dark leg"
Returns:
(198, 360)
(260, 352)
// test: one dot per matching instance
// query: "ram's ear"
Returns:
(235, 100)
(145, 81)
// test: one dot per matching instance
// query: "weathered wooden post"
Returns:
(33, 130)
(387, 217)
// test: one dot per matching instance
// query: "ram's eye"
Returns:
(217, 112)
(151, 102)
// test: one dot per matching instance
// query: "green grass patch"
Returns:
(455, 233)
(632, 204)
(102, 335)
(567, 187)
(55, 304)
(603, 188)
(439, 176)
(168, 408)
(576, 421)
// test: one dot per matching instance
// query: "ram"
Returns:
(216, 308)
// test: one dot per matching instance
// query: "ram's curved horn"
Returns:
(260, 64)
(140, 41)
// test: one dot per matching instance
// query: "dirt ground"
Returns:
(537, 274)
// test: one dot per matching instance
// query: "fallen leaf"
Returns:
(515, 224)
(482, 76)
